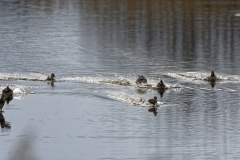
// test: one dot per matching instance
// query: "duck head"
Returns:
(7, 89)
(141, 77)
(212, 74)
(52, 75)
(161, 82)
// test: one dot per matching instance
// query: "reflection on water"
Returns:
(212, 83)
(199, 33)
(23, 148)
(141, 90)
(51, 83)
(4, 124)
(160, 92)
(176, 35)
(89, 43)
(154, 111)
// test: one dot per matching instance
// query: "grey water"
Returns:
(97, 49)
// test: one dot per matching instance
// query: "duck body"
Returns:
(141, 79)
(51, 78)
(153, 101)
(161, 85)
(212, 77)
(7, 94)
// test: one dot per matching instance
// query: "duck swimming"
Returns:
(161, 85)
(141, 79)
(51, 78)
(7, 94)
(212, 77)
(153, 101)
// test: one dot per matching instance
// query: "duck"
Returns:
(153, 101)
(161, 85)
(51, 78)
(2, 102)
(141, 79)
(7, 94)
(212, 77)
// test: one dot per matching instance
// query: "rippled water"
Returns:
(97, 49)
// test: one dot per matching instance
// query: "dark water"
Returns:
(97, 48)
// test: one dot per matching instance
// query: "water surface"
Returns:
(97, 49)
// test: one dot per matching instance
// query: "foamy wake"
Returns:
(122, 81)
(82, 79)
(144, 85)
(100, 80)
(133, 99)
(20, 76)
(119, 81)
(174, 86)
(203, 76)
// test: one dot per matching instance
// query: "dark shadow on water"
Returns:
(212, 84)
(154, 111)
(161, 92)
(10, 98)
(141, 91)
(4, 124)
(51, 83)
(23, 148)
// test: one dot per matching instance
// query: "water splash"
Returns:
(100, 80)
(82, 79)
(203, 76)
(19, 91)
(143, 85)
(132, 99)
(174, 86)
(20, 76)
(119, 81)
